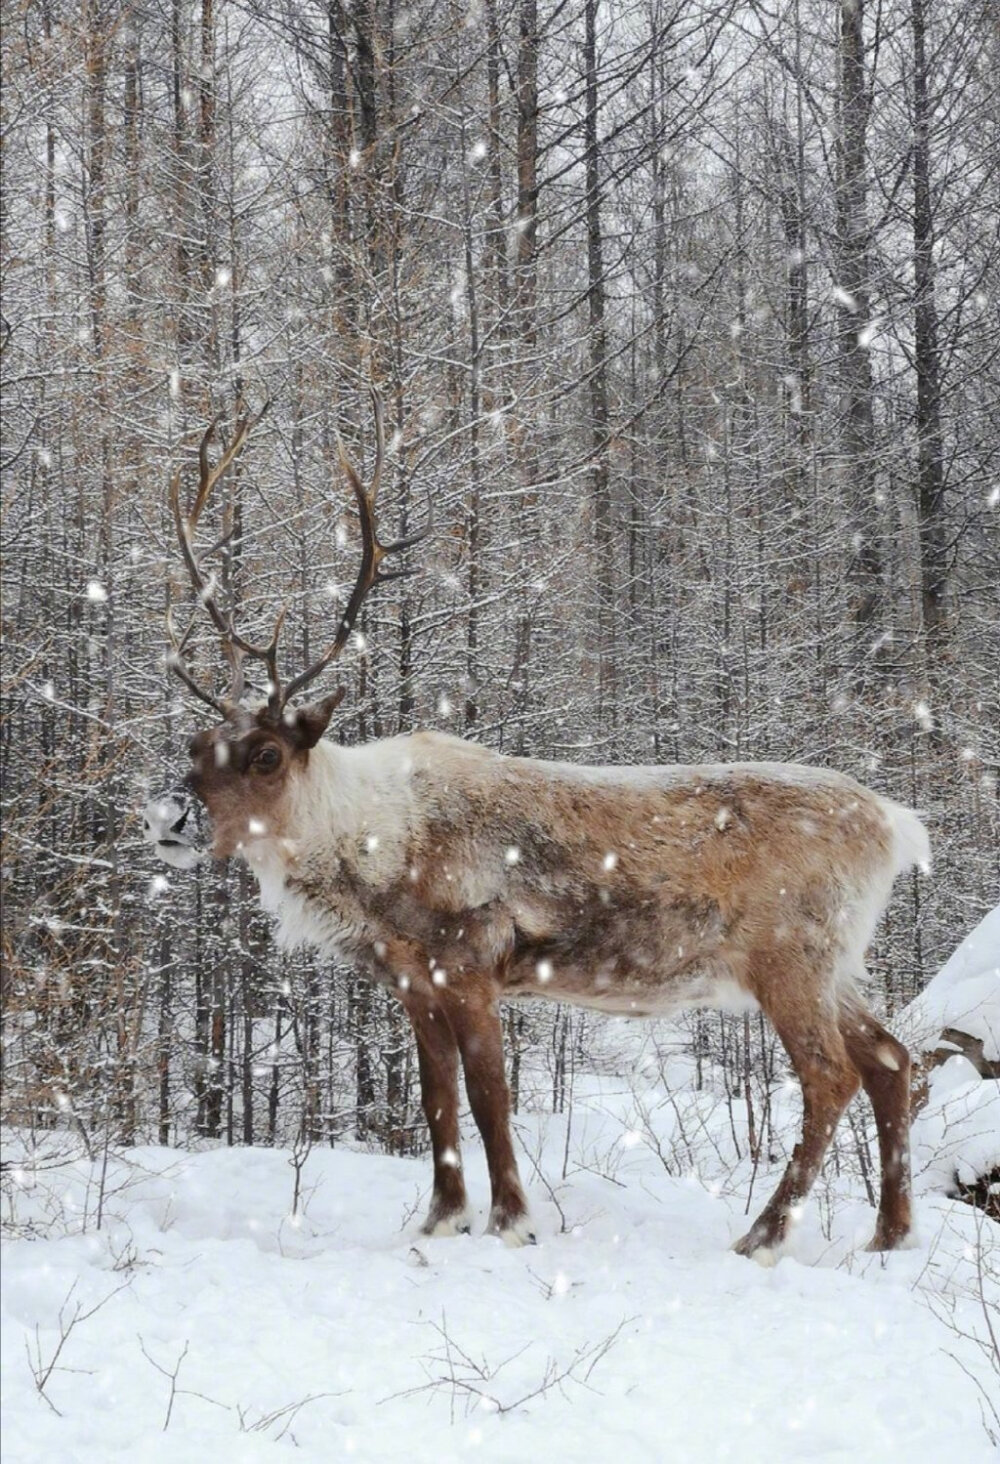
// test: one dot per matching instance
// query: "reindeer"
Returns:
(458, 877)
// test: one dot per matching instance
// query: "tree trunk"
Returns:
(527, 171)
(526, 318)
(599, 428)
(857, 430)
(927, 359)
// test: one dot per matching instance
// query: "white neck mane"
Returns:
(352, 810)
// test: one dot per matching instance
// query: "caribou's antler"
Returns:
(236, 648)
(177, 664)
(373, 552)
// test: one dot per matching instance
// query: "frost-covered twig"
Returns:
(983, 1293)
(475, 1381)
(286, 1416)
(171, 1376)
(42, 1370)
(534, 1158)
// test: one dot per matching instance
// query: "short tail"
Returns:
(910, 841)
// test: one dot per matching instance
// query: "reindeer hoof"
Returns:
(513, 1230)
(445, 1225)
(765, 1255)
(891, 1240)
(760, 1246)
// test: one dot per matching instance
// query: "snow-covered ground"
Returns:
(629, 1333)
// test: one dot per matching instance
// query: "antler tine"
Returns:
(235, 646)
(186, 523)
(372, 551)
(209, 476)
(237, 651)
(408, 541)
(176, 663)
(275, 700)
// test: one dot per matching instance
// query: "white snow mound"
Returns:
(956, 1136)
(965, 994)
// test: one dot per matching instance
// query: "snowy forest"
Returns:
(685, 319)
(684, 315)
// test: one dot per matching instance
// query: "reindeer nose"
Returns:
(171, 824)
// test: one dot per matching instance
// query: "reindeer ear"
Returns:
(309, 723)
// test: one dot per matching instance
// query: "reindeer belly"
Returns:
(652, 958)
(629, 994)
(632, 1000)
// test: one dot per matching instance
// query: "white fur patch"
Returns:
(888, 1058)
(351, 806)
(451, 1225)
(910, 841)
(514, 1234)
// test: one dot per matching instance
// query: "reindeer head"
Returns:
(242, 770)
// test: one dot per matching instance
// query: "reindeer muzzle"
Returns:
(172, 823)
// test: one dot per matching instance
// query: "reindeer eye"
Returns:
(267, 758)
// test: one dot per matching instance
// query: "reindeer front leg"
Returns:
(437, 1054)
(475, 1020)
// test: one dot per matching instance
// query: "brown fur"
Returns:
(468, 876)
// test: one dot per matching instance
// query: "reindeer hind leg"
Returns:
(829, 1081)
(884, 1065)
